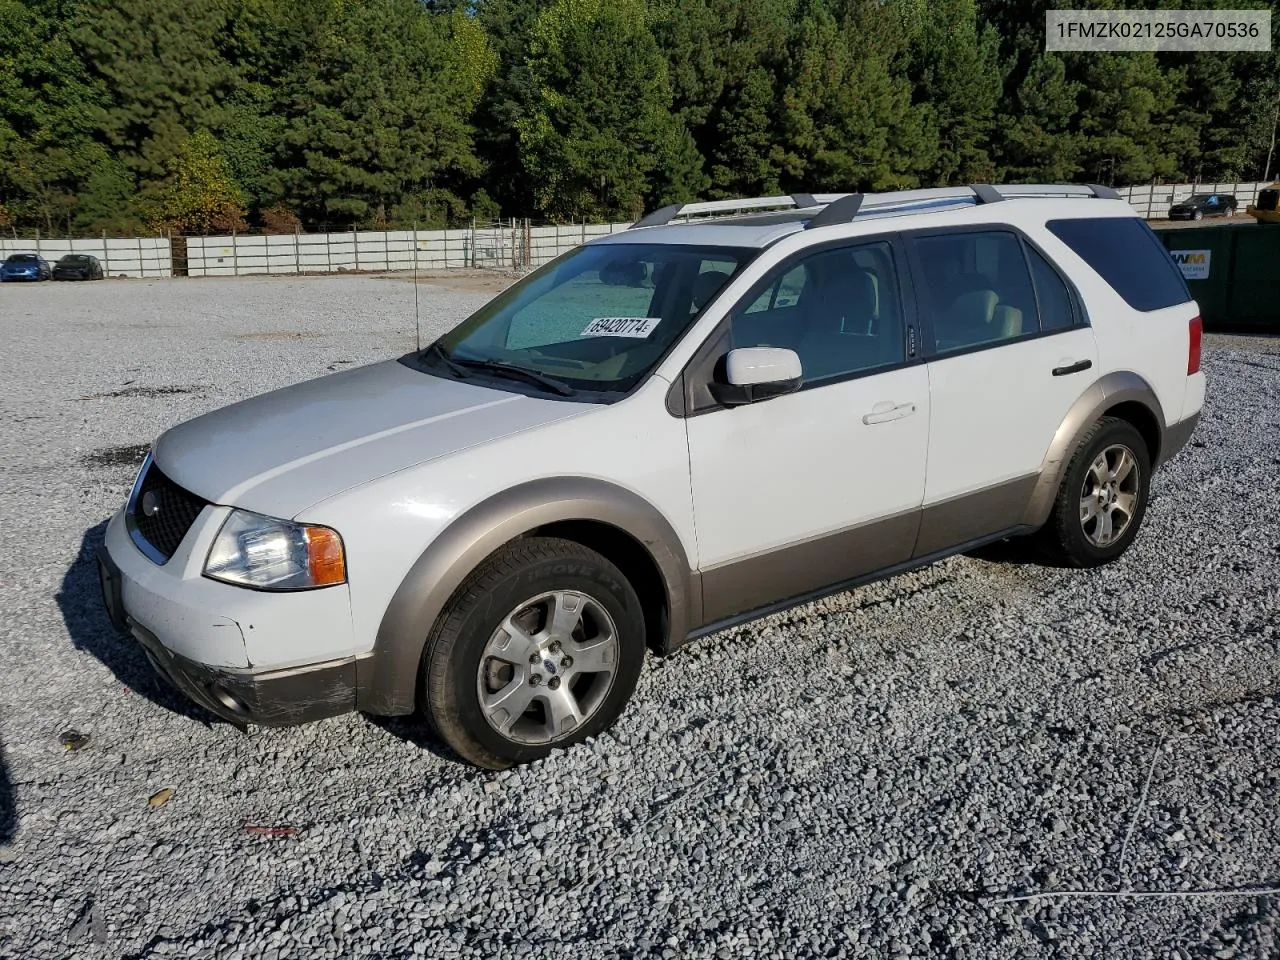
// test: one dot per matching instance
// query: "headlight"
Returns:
(268, 554)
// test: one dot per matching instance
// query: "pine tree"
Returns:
(377, 109)
(601, 126)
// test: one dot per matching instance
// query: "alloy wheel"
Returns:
(548, 667)
(1109, 498)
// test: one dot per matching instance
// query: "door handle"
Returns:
(1072, 368)
(887, 410)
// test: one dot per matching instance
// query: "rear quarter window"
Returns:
(1126, 253)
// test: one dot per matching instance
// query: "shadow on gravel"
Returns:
(1016, 551)
(8, 803)
(416, 731)
(80, 602)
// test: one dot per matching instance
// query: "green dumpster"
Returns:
(1231, 270)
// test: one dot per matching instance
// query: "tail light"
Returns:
(1193, 346)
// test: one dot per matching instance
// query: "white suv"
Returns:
(728, 409)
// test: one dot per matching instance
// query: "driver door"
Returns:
(819, 486)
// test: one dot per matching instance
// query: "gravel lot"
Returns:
(869, 776)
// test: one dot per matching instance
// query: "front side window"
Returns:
(976, 288)
(838, 309)
(592, 322)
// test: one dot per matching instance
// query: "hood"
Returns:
(283, 451)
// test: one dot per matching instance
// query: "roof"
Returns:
(761, 221)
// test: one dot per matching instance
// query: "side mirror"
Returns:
(751, 374)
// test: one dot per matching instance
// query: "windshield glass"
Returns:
(1198, 198)
(74, 258)
(593, 321)
(23, 258)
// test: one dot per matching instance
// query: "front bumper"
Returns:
(207, 658)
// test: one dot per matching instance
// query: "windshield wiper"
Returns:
(516, 373)
(437, 353)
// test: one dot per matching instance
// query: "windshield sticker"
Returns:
(638, 327)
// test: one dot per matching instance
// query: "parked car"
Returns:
(77, 266)
(25, 266)
(1201, 205)
(661, 433)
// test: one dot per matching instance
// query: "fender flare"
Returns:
(387, 680)
(1106, 392)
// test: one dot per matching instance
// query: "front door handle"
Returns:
(887, 410)
(1072, 368)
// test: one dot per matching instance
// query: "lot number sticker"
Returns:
(1194, 264)
(638, 327)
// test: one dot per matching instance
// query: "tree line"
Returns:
(211, 115)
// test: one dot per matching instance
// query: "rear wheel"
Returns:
(1103, 496)
(540, 648)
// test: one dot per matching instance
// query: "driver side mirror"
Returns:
(752, 374)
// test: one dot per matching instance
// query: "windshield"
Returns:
(74, 258)
(23, 258)
(594, 321)
(1198, 198)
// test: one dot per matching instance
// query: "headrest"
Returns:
(706, 286)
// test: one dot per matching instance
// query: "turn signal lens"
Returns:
(1193, 347)
(325, 558)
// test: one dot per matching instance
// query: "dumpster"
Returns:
(1232, 272)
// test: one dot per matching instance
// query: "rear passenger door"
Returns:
(1009, 351)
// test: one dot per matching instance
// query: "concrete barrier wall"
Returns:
(141, 257)
(504, 245)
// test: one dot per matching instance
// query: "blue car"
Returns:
(25, 266)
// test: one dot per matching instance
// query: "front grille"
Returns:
(162, 512)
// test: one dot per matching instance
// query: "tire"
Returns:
(1197, 215)
(498, 696)
(1077, 532)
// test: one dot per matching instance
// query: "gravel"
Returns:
(866, 776)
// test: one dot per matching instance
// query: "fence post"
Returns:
(106, 256)
(355, 247)
(142, 265)
(297, 249)
(235, 254)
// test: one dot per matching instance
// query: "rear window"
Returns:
(1127, 254)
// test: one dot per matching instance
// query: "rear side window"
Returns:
(1126, 253)
(1056, 312)
(977, 289)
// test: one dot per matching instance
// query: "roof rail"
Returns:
(906, 201)
(709, 208)
(843, 207)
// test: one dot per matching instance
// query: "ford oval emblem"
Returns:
(549, 666)
(150, 504)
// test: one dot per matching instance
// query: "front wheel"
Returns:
(540, 648)
(1103, 496)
